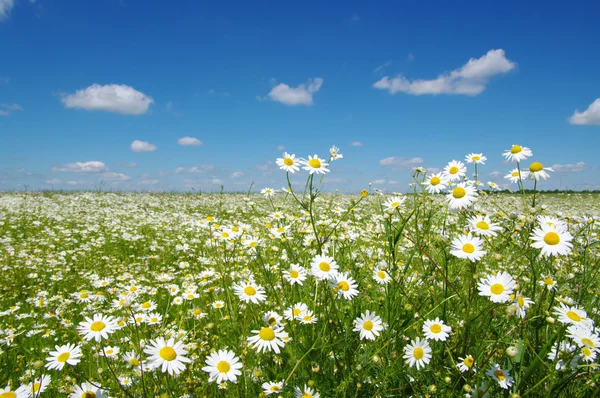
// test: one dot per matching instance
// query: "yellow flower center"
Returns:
(535, 167)
(64, 357)
(521, 301)
(586, 351)
(435, 180)
(453, 170)
(225, 234)
(288, 161)
(294, 273)
(476, 158)
(97, 326)
(280, 230)
(574, 316)
(223, 367)
(307, 395)
(266, 334)
(210, 218)
(368, 325)
(84, 295)
(324, 266)
(314, 163)
(468, 248)
(459, 192)
(250, 291)
(275, 388)
(552, 238)
(418, 353)
(89, 394)
(395, 204)
(500, 375)
(344, 286)
(435, 328)
(587, 342)
(381, 275)
(468, 362)
(497, 288)
(548, 281)
(146, 305)
(8, 394)
(167, 353)
(482, 225)
(296, 311)
(307, 318)
(134, 362)
(515, 174)
(36, 387)
(515, 149)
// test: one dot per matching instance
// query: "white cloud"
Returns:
(496, 174)
(7, 109)
(196, 169)
(470, 79)
(149, 182)
(301, 95)
(590, 116)
(237, 174)
(570, 168)
(5, 7)
(189, 141)
(378, 182)
(113, 176)
(215, 181)
(400, 161)
(357, 143)
(142, 146)
(53, 181)
(280, 148)
(110, 98)
(382, 66)
(93, 166)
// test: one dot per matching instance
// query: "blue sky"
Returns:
(81, 81)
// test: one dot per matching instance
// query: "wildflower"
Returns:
(250, 292)
(417, 353)
(552, 240)
(436, 330)
(98, 327)
(167, 355)
(476, 158)
(323, 267)
(38, 386)
(483, 226)
(537, 171)
(346, 286)
(548, 282)
(468, 247)
(87, 390)
(465, 363)
(394, 202)
(368, 325)
(288, 163)
(455, 170)
(381, 277)
(307, 318)
(521, 304)
(315, 165)
(497, 287)
(223, 366)
(501, 376)
(306, 392)
(295, 311)
(435, 183)
(334, 153)
(267, 339)
(272, 387)
(295, 274)
(584, 336)
(517, 153)
(268, 192)
(514, 175)
(572, 316)
(461, 196)
(67, 354)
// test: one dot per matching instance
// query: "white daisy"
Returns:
(476, 158)
(324, 267)
(346, 286)
(461, 196)
(98, 327)
(537, 171)
(267, 339)
(497, 287)
(223, 366)
(368, 325)
(334, 153)
(572, 316)
(295, 274)
(465, 364)
(552, 240)
(250, 292)
(272, 387)
(468, 247)
(315, 165)
(521, 304)
(394, 203)
(455, 170)
(167, 355)
(381, 277)
(436, 330)
(305, 392)
(483, 226)
(87, 390)
(295, 311)
(66, 354)
(435, 183)
(288, 163)
(517, 153)
(513, 176)
(501, 376)
(417, 353)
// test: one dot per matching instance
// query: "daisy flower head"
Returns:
(20, 392)
(517, 153)
(368, 325)
(455, 170)
(268, 192)
(306, 392)
(584, 336)
(548, 282)
(537, 171)
(483, 226)
(307, 318)
(461, 196)
(334, 153)
(38, 386)
(468, 247)
(346, 286)
(521, 304)
(87, 390)
(418, 353)
(324, 267)
(98, 327)
(272, 318)
(69, 354)
(268, 339)
(222, 366)
(272, 387)
(436, 330)
(573, 316)
(381, 277)
(476, 158)
(493, 186)
(552, 240)
(502, 376)
(315, 165)
(497, 287)
(295, 274)
(394, 203)
(250, 292)
(295, 311)
(515, 175)
(167, 355)
(465, 364)
(288, 163)
(435, 183)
